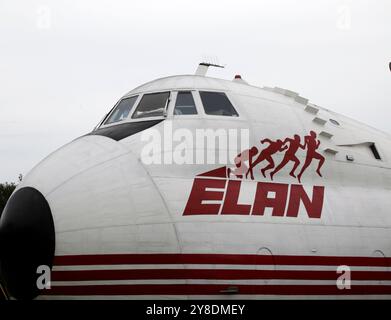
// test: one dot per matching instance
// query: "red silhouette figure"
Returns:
(290, 155)
(274, 146)
(312, 144)
(241, 168)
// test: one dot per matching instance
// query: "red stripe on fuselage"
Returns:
(235, 259)
(199, 289)
(214, 274)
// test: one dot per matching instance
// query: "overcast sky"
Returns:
(63, 64)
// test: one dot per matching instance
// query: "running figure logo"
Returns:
(272, 148)
(291, 145)
(290, 155)
(312, 145)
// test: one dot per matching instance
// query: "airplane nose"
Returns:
(27, 241)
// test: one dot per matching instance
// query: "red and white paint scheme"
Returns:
(310, 193)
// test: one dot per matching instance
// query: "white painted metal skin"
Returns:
(104, 200)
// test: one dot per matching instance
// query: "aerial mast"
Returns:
(202, 68)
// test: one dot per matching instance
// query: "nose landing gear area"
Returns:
(27, 240)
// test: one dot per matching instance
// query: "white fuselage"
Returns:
(121, 231)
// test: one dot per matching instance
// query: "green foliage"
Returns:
(5, 192)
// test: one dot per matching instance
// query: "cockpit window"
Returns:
(152, 105)
(184, 104)
(217, 104)
(122, 110)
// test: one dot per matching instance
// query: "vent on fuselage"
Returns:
(374, 151)
(368, 149)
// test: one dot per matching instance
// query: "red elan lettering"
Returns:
(262, 201)
(231, 205)
(209, 189)
(199, 193)
(313, 208)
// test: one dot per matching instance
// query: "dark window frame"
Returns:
(109, 115)
(165, 108)
(235, 113)
(192, 93)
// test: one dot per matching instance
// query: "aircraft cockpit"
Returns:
(156, 105)
(142, 110)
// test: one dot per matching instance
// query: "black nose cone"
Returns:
(27, 241)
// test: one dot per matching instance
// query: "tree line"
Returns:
(6, 190)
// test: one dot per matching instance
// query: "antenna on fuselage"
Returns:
(202, 68)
